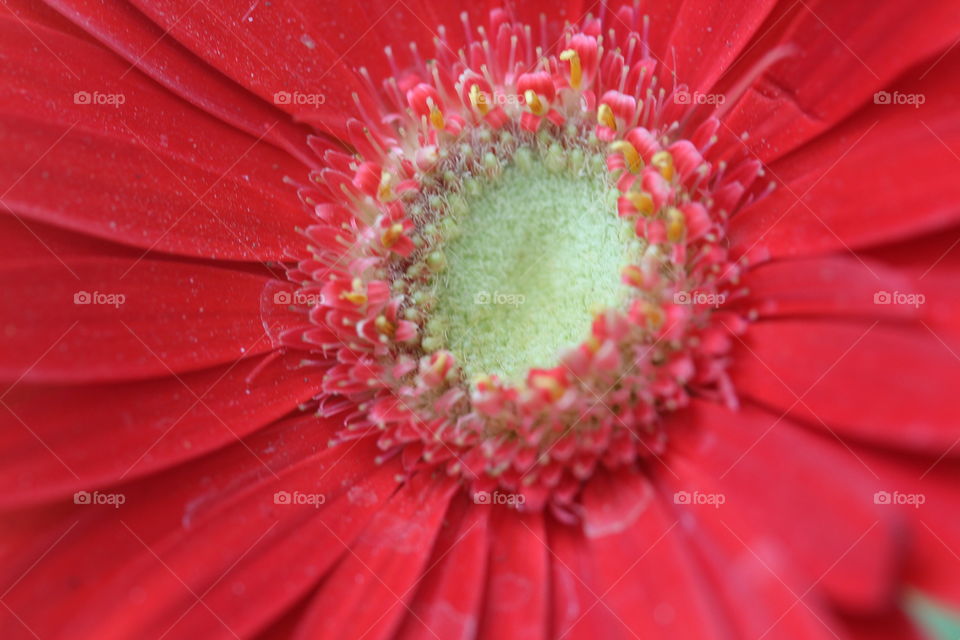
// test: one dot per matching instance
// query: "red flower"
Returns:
(282, 317)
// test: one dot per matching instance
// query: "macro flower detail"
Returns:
(460, 186)
(452, 320)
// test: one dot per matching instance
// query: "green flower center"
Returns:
(536, 254)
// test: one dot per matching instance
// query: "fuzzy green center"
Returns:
(537, 253)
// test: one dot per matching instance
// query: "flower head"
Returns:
(519, 270)
(433, 321)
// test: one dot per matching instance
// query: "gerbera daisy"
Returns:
(428, 321)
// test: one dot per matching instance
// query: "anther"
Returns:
(533, 101)
(436, 116)
(630, 155)
(357, 296)
(605, 116)
(663, 161)
(391, 235)
(479, 100)
(576, 72)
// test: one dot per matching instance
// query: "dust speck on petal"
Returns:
(362, 497)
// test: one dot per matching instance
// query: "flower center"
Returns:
(519, 267)
(536, 255)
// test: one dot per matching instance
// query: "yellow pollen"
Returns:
(479, 100)
(384, 326)
(357, 296)
(675, 224)
(549, 384)
(436, 117)
(605, 116)
(641, 200)
(391, 235)
(663, 161)
(533, 101)
(593, 344)
(483, 381)
(633, 159)
(576, 72)
(633, 274)
(439, 362)
(655, 316)
(385, 191)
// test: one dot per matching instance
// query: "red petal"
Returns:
(833, 286)
(933, 263)
(131, 35)
(282, 568)
(358, 32)
(36, 13)
(367, 594)
(810, 499)
(23, 240)
(516, 590)
(844, 55)
(711, 31)
(892, 626)
(745, 565)
(645, 573)
(172, 317)
(58, 440)
(151, 172)
(882, 383)
(888, 173)
(448, 599)
(846, 286)
(579, 612)
(924, 492)
(268, 48)
(186, 533)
